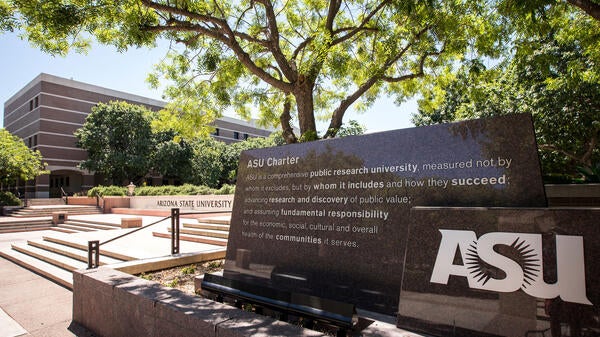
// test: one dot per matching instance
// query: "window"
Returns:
(245, 136)
(67, 181)
(216, 133)
(35, 140)
(30, 105)
(236, 135)
(36, 102)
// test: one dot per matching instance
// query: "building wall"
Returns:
(47, 111)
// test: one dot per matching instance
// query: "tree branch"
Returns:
(359, 28)
(591, 8)
(550, 147)
(221, 32)
(274, 47)
(338, 113)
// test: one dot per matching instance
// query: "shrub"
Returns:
(186, 189)
(226, 189)
(9, 199)
(104, 191)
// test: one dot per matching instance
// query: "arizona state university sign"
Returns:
(502, 272)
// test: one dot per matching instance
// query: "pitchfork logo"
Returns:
(507, 262)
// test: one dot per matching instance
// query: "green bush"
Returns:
(226, 189)
(104, 191)
(9, 199)
(186, 189)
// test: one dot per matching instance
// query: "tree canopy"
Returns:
(285, 60)
(118, 138)
(17, 161)
(551, 76)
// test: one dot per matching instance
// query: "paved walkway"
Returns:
(31, 305)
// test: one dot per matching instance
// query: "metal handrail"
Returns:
(64, 195)
(94, 246)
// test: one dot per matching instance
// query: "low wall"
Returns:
(204, 203)
(84, 201)
(108, 203)
(111, 303)
(574, 195)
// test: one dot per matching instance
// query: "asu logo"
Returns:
(522, 270)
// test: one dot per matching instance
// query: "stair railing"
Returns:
(64, 196)
(94, 246)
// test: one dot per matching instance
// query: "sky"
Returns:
(104, 66)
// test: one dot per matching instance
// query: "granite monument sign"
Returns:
(331, 218)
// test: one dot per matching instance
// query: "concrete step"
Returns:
(205, 225)
(76, 228)
(54, 273)
(45, 202)
(37, 211)
(204, 232)
(74, 253)
(24, 228)
(11, 225)
(55, 259)
(64, 230)
(84, 247)
(225, 220)
(194, 238)
(91, 224)
(96, 222)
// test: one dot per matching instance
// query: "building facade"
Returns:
(49, 109)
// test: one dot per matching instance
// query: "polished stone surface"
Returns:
(330, 218)
(502, 272)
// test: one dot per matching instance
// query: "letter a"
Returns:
(451, 241)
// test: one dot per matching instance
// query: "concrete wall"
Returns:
(108, 203)
(584, 195)
(204, 203)
(112, 303)
(84, 201)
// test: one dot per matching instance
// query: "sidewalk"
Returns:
(31, 305)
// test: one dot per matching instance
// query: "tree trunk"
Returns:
(305, 108)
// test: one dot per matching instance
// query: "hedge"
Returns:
(186, 189)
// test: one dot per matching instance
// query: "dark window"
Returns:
(29, 143)
(236, 135)
(36, 102)
(67, 181)
(35, 140)
(245, 136)
(216, 133)
(30, 105)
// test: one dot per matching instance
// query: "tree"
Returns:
(352, 128)
(118, 138)
(207, 163)
(231, 155)
(284, 59)
(17, 161)
(172, 158)
(541, 80)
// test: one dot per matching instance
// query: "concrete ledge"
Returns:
(131, 222)
(573, 195)
(111, 303)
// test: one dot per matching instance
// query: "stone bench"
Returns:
(131, 222)
(59, 217)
